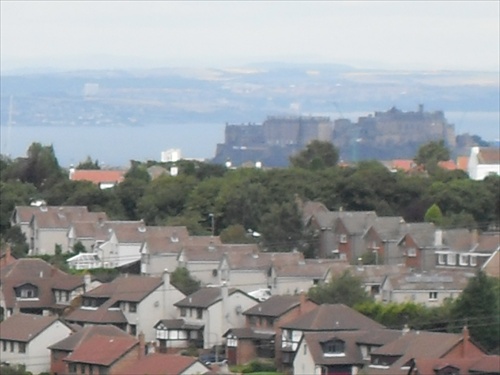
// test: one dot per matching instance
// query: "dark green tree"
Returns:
(478, 307)
(236, 234)
(281, 228)
(88, 164)
(182, 280)
(345, 288)
(317, 155)
(431, 153)
(42, 168)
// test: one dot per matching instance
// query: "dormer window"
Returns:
(343, 238)
(333, 348)
(412, 252)
(28, 291)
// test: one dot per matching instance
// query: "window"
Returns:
(452, 259)
(463, 260)
(183, 311)
(67, 297)
(441, 259)
(199, 313)
(4, 345)
(305, 348)
(433, 296)
(334, 347)
(412, 252)
(343, 238)
(72, 368)
(12, 346)
(132, 307)
(473, 260)
(22, 347)
(133, 329)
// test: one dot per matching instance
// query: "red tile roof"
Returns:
(463, 163)
(102, 350)
(161, 364)
(73, 341)
(98, 176)
(448, 165)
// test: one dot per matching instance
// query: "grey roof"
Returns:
(357, 222)
(206, 297)
(387, 227)
(422, 233)
(251, 333)
(432, 280)
(179, 324)
(275, 306)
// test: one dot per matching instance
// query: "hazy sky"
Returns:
(394, 34)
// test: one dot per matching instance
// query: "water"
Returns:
(116, 146)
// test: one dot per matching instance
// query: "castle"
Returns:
(384, 135)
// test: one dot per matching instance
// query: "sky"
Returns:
(441, 35)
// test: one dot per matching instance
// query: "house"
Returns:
(156, 171)
(418, 244)
(339, 352)
(483, 162)
(167, 364)
(431, 288)
(63, 348)
(104, 178)
(261, 335)
(87, 234)
(202, 261)
(162, 245)
(484, 364)
(299, 277)
(381, 237)
(122, 244)
(492, 266)
(203, 318)
(48, 227)
(31, 285)
(397, 356)
(100, 354)
(21, 216)
(132, 303)
(373, 276)
(24, 340)
(324, 318)
(250, 271)
(349, 229)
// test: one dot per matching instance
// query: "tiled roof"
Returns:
(162, 364)
(128, 231)
(98, 176)
(488, 242)
(379, 337)
(422, 233)
(448, 165)
(165, 239)
(375, 274)
(432, 280)
(71, 342)
(387, 227)
(404, 165)
(61, 217)
(90, 229)
(104, 314)
(352, 353)
(102, 350)
(489, 155)
(250, 333)
(275, 306)
(418, 345)
(24, 327)
(310, 209)
(312, 269)
(357, 222)
(179, 324)
(458, 239)
(487, 364)
(213, 252)
(463, 163)
(205, 297)
(242, 260)
(39, 273)
(326, 219)
(492, 265)
(332, 317)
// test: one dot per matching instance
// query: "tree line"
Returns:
(236, 202)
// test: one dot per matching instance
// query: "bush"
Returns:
(258, 366)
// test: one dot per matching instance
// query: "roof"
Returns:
(102, 350)
(179, 324)
(97, 176)
(162, 364)
(71, 342)
(251, 333)
(127, 231)
(375, 274)
(61, 217)
(275, 306)
(357, 222)
(242, 260)
(448, 165)
(492, 265)
(39, 273)
(213, 252)
(422, 233)
(312, 269)
(488, 242)
(484, 364)
(165, 239)
(458, 239)
(25, 327)
(205, 297)
(418, 344)
(310, 209)
(463, 163)
(387, 227)
(488, 155)
(332, 317)
(25, 213)
(431, 280)
(404, 165)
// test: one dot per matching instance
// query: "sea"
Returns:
(116, 146)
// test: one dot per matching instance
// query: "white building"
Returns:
(171, 155)
(483, 162)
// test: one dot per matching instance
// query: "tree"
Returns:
(434, 215)
(346, 288)
(317, 155)
(183, 281)
(478, 307)
(281, 227)
(88, 164)
(42, 168)
(236, 234)
(431, 153)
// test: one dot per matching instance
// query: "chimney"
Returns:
(142, 345)
(466, 342)
(303, 300)
(406, 329)
(225, 306)
(87, 281)
(438, 237)
(475, 238)
(166, 288)
(166, 278)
